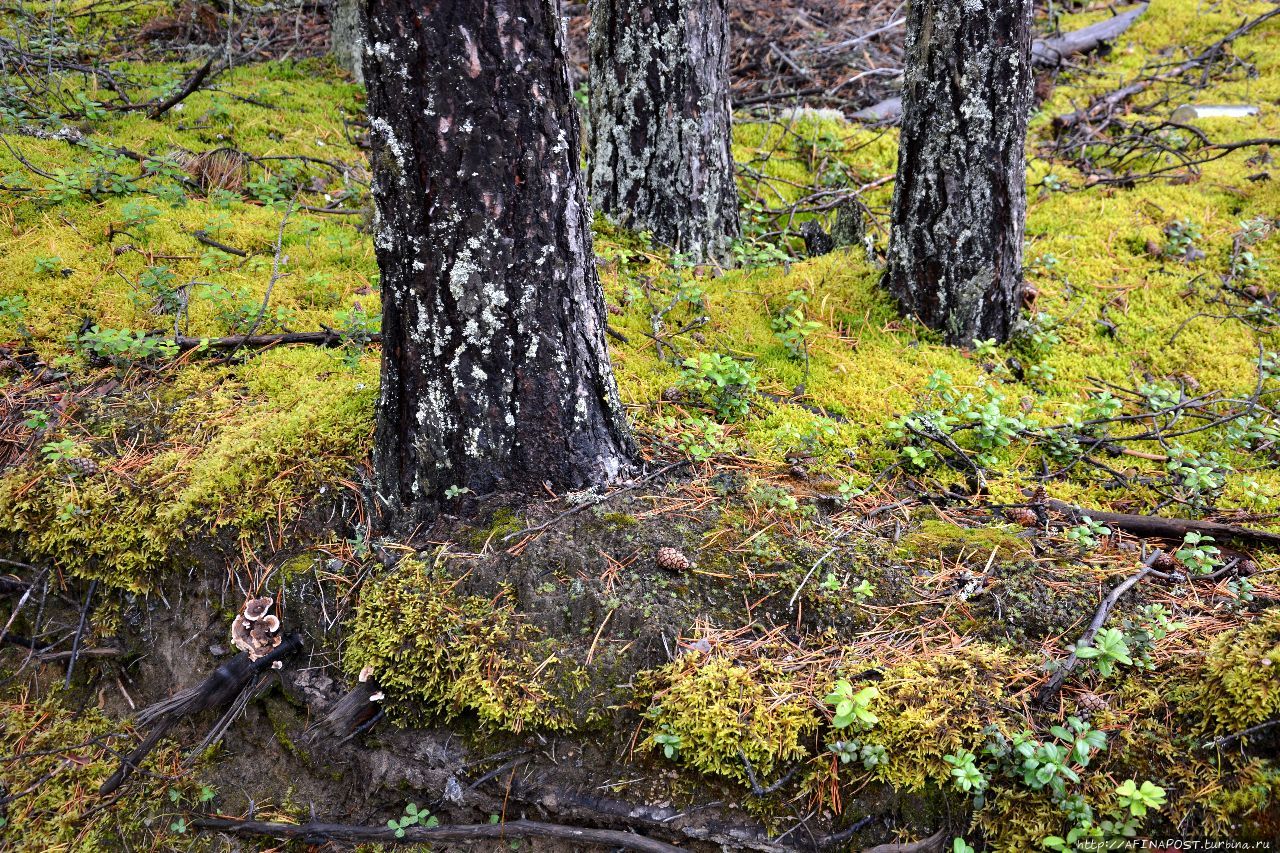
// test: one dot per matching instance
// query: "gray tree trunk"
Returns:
(660, 121)
(959, 204)
(495, 374)
(346, 37)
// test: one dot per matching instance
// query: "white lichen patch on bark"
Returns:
(660, 116)
(496, 375)
(959, 199)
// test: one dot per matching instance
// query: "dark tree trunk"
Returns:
(346, 37)
(495, 375)
(955, 252)
(660, 119)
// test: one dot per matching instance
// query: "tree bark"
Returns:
(660, 121)
(346, 37)
(955, 252)
(495, 373)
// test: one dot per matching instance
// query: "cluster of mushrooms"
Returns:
(255, 631)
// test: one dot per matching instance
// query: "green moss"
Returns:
(54, 762)
(243, 445)
(503, 522)
(1238, 684)
(940, 703)
(1015, 819)
(934, 538)
(721, 710)
(435, 651)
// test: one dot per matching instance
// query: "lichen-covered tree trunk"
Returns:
(346, 36)
(955, 251)
(495, 373)
(660, 120)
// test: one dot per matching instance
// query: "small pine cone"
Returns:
(672, 395)
(615, 310)
(699, 338)
(80, 465)
(1022, 515)
(1089, 702)
(672, 560)
(1164, 563)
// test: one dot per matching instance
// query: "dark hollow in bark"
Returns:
(495, 374)
(955, 251)
(660, 119)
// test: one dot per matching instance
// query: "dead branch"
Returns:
(1175, 529)
(1105, 104)
(317, 832)
(932, 844)
(326, 338)
(1051, 52)
(192, 84)
(1050, 690)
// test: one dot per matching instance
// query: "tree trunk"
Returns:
(346, 37)
(495, 374)
(660, 119)
(955, 252)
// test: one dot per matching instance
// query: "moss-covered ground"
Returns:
(870, 612)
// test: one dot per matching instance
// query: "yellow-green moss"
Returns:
(53, 761)
(1238, 684)
(243, 445)
(721, 710)
(939, 703)
(934, 538)
(435, 651)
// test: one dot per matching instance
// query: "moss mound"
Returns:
(437, 651)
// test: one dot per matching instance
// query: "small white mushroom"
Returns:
(365, 674)
(271, 623)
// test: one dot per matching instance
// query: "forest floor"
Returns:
(863, 631)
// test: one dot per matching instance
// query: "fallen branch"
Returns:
(1175, 529)
(932, 844)
(1051, 52)
(318, 832)
(326, 338)
(1050, 690)
(588, 504)
(1105, 104)
(193, 83)
(1219, 742)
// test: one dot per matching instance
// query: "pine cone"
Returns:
(672, 560)
(83, 466)
(1022, 515)
(1089, 702)
(1164, 563)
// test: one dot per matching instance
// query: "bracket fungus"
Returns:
(255, 631)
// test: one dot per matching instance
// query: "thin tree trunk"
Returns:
(660, 121)
(346, 36)
(959, 203)
(495, 374)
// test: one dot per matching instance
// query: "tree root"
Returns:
(318, 832)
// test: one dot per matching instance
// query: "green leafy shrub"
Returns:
(721, 382)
